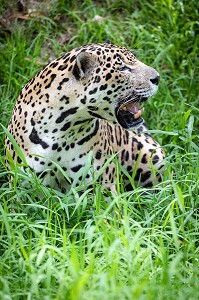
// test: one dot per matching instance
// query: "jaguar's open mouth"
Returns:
(129, 112)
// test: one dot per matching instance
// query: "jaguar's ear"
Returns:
(84, 63)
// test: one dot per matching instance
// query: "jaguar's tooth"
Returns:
(137, 115)
(123, 107)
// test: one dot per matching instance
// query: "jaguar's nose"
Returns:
(155, 80)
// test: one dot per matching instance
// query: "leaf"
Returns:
(190, 125)
(15, 145)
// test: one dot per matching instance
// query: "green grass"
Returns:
(136, 245)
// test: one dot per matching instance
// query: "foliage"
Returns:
(141, 244)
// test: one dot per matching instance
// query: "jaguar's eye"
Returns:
(125, 68)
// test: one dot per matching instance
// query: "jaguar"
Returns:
(89, 100)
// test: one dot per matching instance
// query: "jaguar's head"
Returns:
(115, 83)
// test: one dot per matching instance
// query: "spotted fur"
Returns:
(71, 107)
